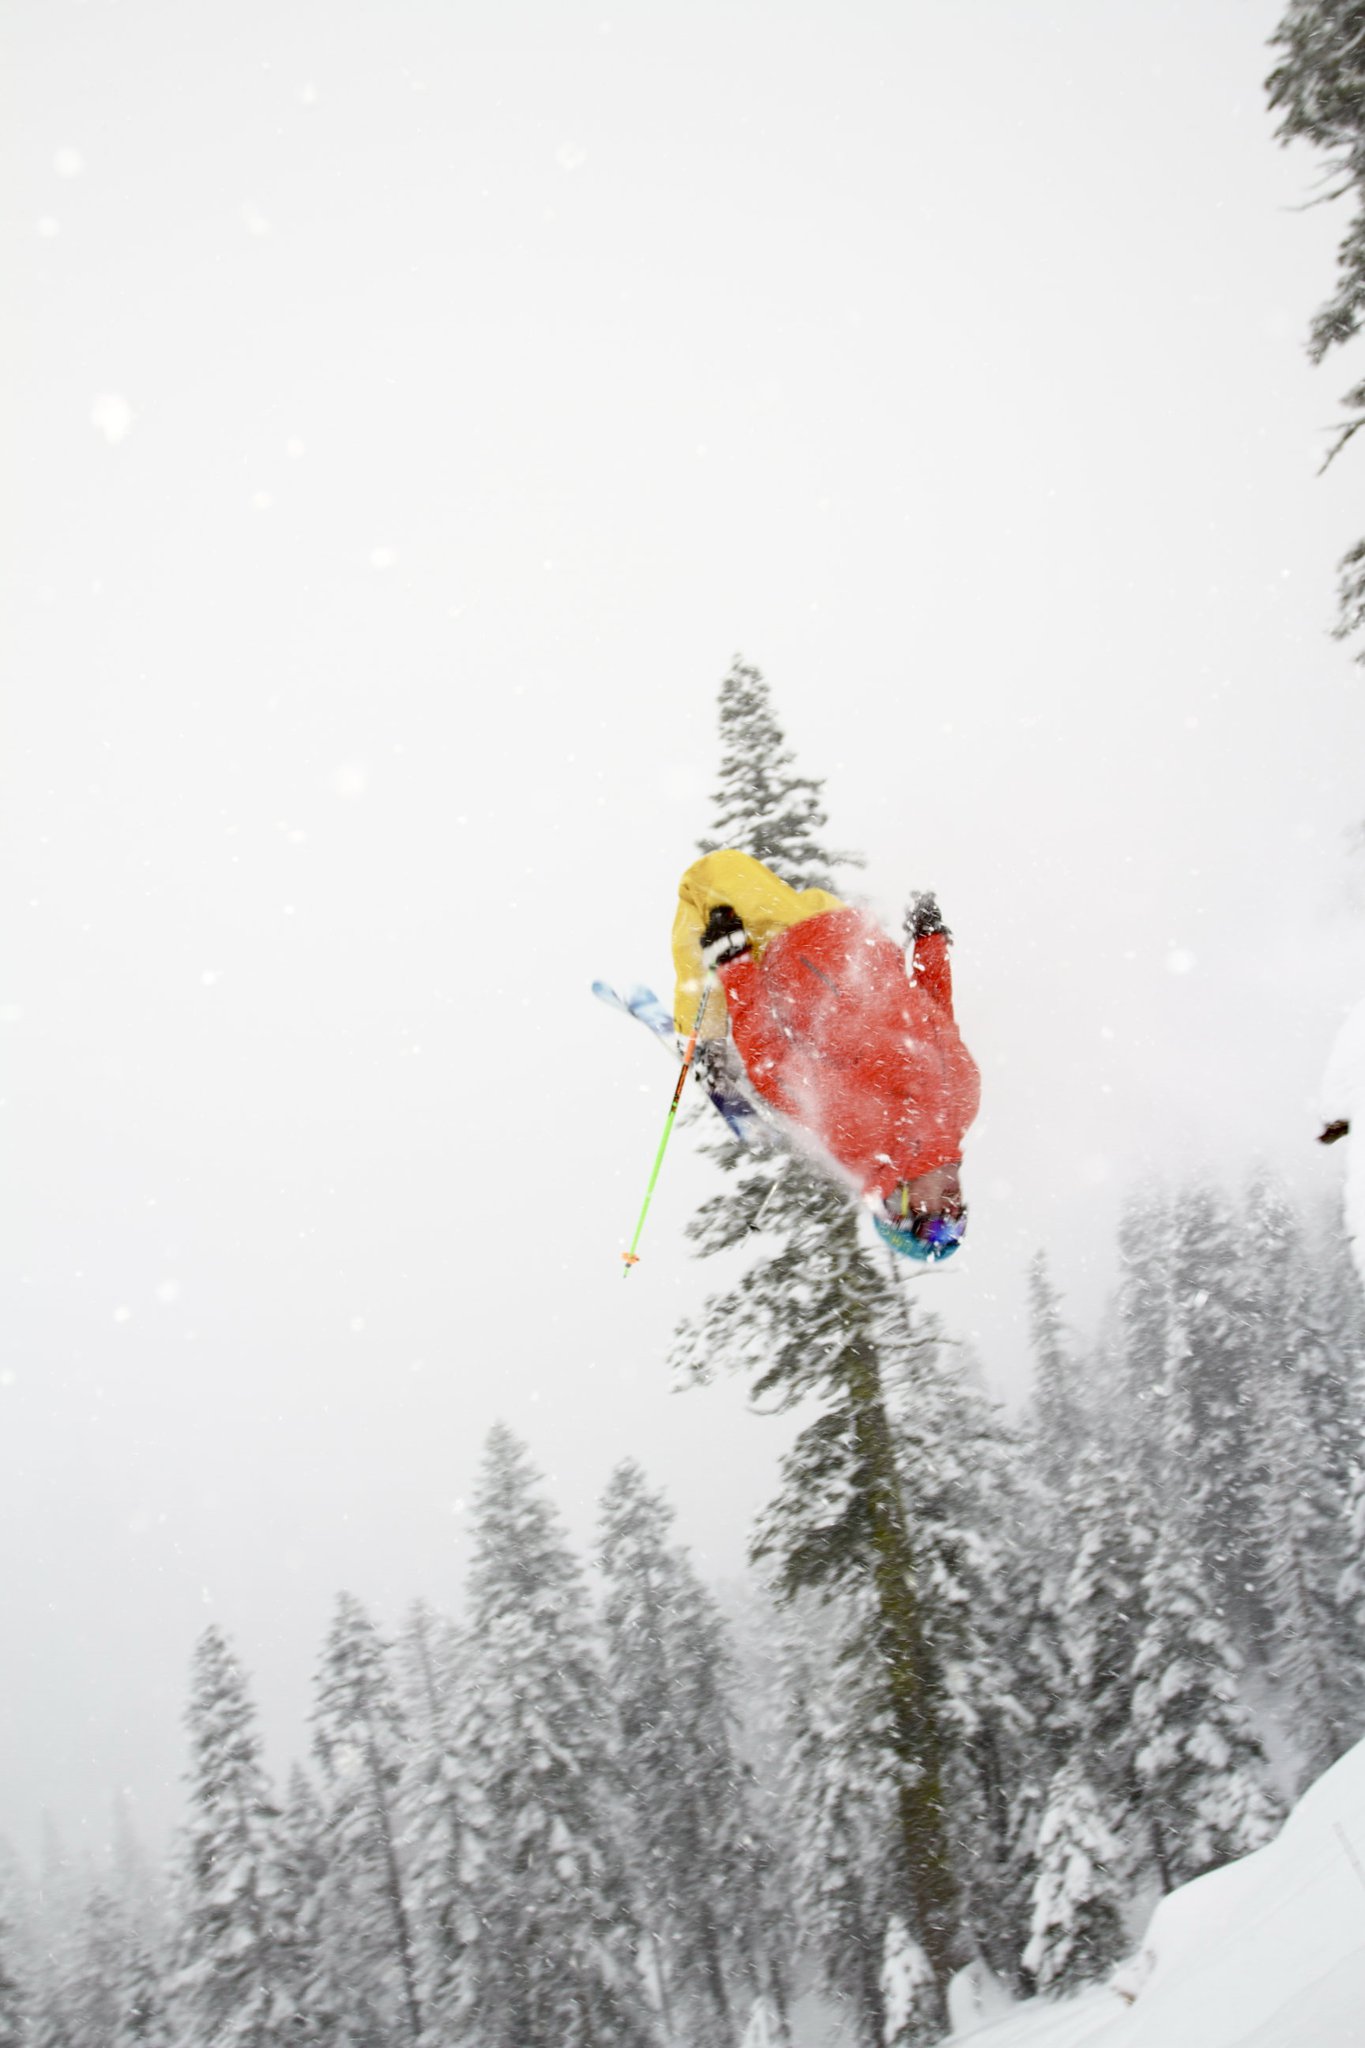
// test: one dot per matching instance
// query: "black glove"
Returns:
(724, 939)
(923, 918)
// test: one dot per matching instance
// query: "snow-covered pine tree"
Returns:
(51, 1941)
(1313, 1646)
(696, 1860)
(95, 2008)
(1318, 90)
(1078, 1932)
(907, 1985)
(365, 1932)
(1146, 1247)
(1057, 1417)
(1102, 1619)
(144, 2021)
(1214, 1470)
(298, 1892)
(1350, 1587)
(137, 1885)
(964, 1506)
(1200, 1769)
(1347, 1321)
(47, 2024)
(1331, 1372)
(1198, 1772)
(18, 1946)
(841, 1814)
(427, 1665)
(225, 1990)
(1056, 1428)
(118, 1995)
(763, 806)
(14, 2014)
(839, 1528)
(802, 1322)
(555, 1958)
(759, 1632)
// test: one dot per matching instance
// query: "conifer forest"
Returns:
(992, 1684)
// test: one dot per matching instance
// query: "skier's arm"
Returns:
(763, 904)
(766, 1045)
(931, 968)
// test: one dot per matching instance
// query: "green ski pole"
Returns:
(632, 1257)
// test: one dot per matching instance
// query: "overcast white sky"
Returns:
(416, 407)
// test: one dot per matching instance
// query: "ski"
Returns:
(745, 1119)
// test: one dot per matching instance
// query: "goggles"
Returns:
(938, 1230)
(920, 1236)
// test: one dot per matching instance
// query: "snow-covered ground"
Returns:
(1268, 1952)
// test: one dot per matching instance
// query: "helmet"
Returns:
(932, 1238)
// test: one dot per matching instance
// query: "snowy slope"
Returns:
(1266, 1953)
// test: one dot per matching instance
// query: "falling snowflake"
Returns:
(112, 416)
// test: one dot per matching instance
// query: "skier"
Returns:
(837, 1030)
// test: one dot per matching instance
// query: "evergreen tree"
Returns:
(697, 1861)
(1077, 1910)
(907, 1987)
(434, 1827)
(1144, 1318)
(763, 807)
(1351, 1585)
(1302, 1518)
(554, 1961)
(18, 1950)
(226, 1988)
(963, 1506)
(1318, 88)
(311, 1992)
(1056, 1420)
(56, 1915)
(842, 1819)
(1331, 1357)
(1348, 1325)
(14, 2016)
(95, 2006)
(805, 1321)
(1199, 1765)
(1058, 1432)
(839, 1528)
(1211, 1453)
(137, 1885)
(144, 2019)
(1103, 1617)
(358, 1739)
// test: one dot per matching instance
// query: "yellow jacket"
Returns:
(764, 906)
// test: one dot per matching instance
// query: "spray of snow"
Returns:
(112, 416)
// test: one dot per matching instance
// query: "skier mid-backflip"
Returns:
(836, 1029)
